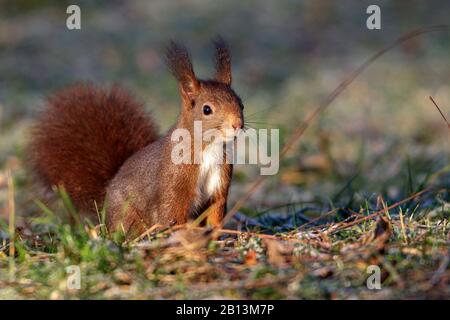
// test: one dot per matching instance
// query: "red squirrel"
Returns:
(104, 149)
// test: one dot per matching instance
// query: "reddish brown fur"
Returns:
(101, 145)
(223, 61)
(82, 138)
(157, 190)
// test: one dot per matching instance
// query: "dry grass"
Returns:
(368, 185)
(328, 260)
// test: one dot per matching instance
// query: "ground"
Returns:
(366, 186)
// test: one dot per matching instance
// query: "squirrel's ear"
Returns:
(223, 61)
(179, 63)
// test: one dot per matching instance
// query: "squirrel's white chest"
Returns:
(210, 175)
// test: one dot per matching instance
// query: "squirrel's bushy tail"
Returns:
(82, 138)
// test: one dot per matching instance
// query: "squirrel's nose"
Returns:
(237, 124)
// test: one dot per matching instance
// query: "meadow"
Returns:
(365, 186)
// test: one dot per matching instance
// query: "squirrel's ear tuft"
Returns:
(179, 63)
(223, 61)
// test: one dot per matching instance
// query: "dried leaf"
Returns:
(122, 277)
(381, 233)
(323, 272)
(274, 253)
(250, 258)
(377, 237)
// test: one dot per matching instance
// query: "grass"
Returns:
(349, 196)
(324, 259)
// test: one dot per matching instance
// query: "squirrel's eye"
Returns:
(207, 110)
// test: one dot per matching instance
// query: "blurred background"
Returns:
(381, 136)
